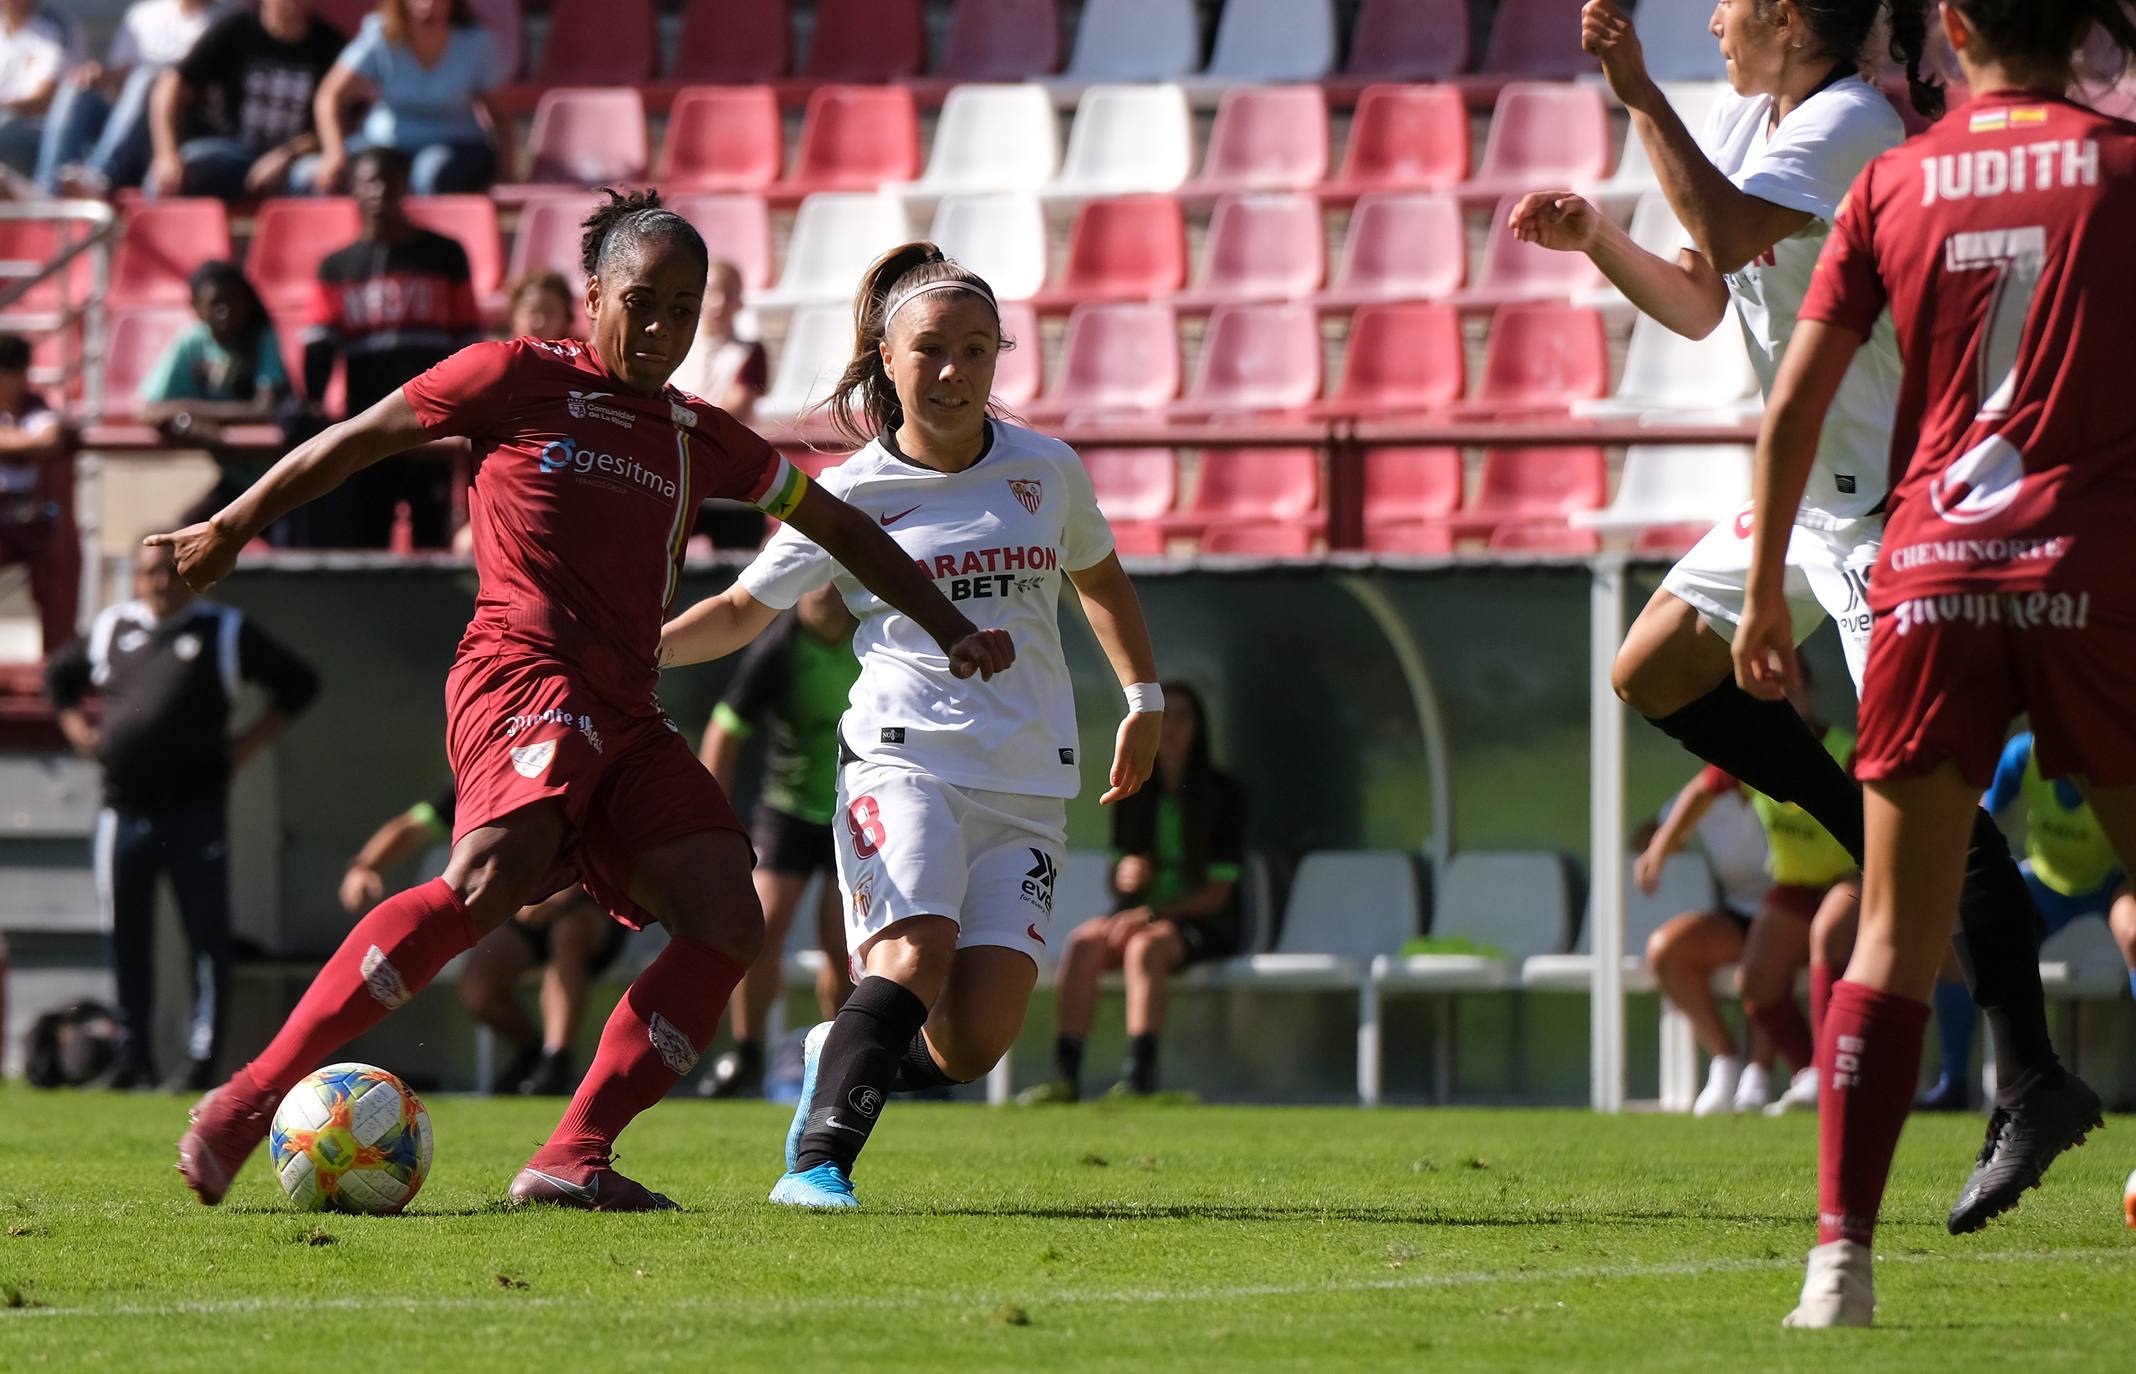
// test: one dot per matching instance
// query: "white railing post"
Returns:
(1605, 862)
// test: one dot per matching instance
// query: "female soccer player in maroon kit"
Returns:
(590, 471)
(1999, 240)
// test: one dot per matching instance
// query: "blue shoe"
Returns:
(811, 1056)
(826, 1185)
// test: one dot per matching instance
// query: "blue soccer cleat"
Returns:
(825, 1186)
(811, 1056)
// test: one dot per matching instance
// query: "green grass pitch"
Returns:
(1096, 1237)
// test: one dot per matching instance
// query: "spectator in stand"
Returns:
(96, 138)
(390, 306)
(169, 669)
(542, 307)
(567, 936)
(729, 372)
(37, 495)
(37, 48)
(425, 68)
(223, 369)
(1179, 847)
(232, 118)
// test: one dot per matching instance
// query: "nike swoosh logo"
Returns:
(893, 519)
(835, 1124)
(584, 1192)
(1033, 933)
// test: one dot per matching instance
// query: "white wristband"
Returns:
(1144, 696)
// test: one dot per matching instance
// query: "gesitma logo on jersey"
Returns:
(608, 469)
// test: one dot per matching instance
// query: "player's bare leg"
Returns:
(2120, 919)
(390, 955)
(740, 1071)
(1090, 952)
(488, 987)
(1684, 954)
(1776, 948)
(1154, 953)
(834, 981)
(576, 936)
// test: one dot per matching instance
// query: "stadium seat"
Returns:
(1260, 541)
(853, 138)
(1264, 247)
(1696, 485)
(1655, 228)
(835, 236)
(1410, 538)
(588, 137)
(1668, 376)
(1402, 246)
(613, 43)
(1123, 248)
(548, 237)
(290, 237)
(1266, 138)
(1255, 360)
(1020, 374)
(1531, 40)
(990, 138)
(1001, 236)
(1400, 360)
(1407, 486)
(1252, 486)
(1686, 884)
(1544, 537)
(33, 243)
(1127, 139)
(507, 29)
(818, 345)
(1139, 541)
(866, 41)
(1272, 40)
(733, 43)
(1346, 907)
(1634, 178)
(1001, 40)
(1134, 40)
(1539, 360)
(722, 138)
(1115, 359)
(1404, 40)
(2082, 960)
(1527, 493)
(1669, 541)
(1403, 138)
(137, 339)
(471, 221)
(345, 15)
(1542, 135)
(164, 240)
(737, 229)
(1514, 272)
(1678, 44)
(1133, 485)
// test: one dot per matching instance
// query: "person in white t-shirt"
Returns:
(96, 138)
(952, 795)
(37, 47)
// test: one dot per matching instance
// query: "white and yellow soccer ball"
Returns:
(351, 1138)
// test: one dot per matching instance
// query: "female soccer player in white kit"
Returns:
(953, 793)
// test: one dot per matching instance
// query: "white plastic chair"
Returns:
(2081, 960)
(1675, 484)
(1669, 375)
(1655, 228)
(836, 235)
(1001, 236)
(1127, 139)
(1621, 191)
(1686, 885)
(990, 138)
(1134, 40)
(1273, 40)
(819, 343)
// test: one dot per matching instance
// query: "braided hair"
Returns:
(629, 223)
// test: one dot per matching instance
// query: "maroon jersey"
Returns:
(2000, 240)
(584, 495)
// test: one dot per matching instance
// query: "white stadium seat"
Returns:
(1675, 484)
(1272, 40)
(1134, 40)
(2081, 960)
(836, 235)
(1679, 45)
(990, 138)
(1000, 235)
(1634, 177)
(819, 343)
(1655, 228)
(1127, 139)
(1668, 376)
(1686, 885)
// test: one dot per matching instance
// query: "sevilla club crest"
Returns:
(1029, 493)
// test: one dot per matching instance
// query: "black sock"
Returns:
(917, 1070)
(749, 1057)
(1068, 1058)
(1767, 746)
(1998, 945)
(860, 1058)
(1142, 1063)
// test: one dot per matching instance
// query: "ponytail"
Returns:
(2047, 33)
(864, 402)
(1909, 45)
(1843, 28)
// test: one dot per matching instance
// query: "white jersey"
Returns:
(996, 539)
(1808, 164)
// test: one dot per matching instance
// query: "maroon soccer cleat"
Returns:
(225, 1129)
(590, 1188)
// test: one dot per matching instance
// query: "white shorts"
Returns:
(910, 844)
(1827, 575)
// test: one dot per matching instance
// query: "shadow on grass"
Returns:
(1389, 1215)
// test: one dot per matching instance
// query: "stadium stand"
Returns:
(990, 138)
(1255, 360)
(999, 235)
(137, 340)
(853, 138)
(548, 237)
(1403, 40)
(472, 222)
(835, 236)
(1531, 40)
(733, 43)
(1021, 373)
(819, 342)
(1403, 138)
(1116, 357)
(1001, 40)
(290, 237)
(722, 138)
(1514, 272)
(1126, 139)
(585, 136)
(1403, 359)
(1266, 540)
(1133, 40)
(1673, 487)
(1527, 494)
(1678, 46)
(1265, 138)
(1264, 247)
(1122, 248)
(1634, 177)
(1136, 487)
(865, 41)
(600, 43)
(737, 228)
(1251, 486)
(1539, 359)
(1411, 486)
(1541, 136)
(1272, 40)
(1402, 246)
(163, 241)
(1667, 374)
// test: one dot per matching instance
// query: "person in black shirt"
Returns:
(37, 495)
(169, 669)
(235, 114)
(390, 306)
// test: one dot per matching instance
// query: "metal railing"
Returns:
(86, 228)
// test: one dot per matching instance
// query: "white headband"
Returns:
(947, 284)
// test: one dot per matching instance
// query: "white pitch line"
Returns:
(1059, 1297)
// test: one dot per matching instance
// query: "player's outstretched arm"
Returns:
(206, 552)
(1115, 615)
(861, 547)
(1686, 295)
(714, 628)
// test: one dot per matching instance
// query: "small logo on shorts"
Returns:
(863, 893)
(529, 760)
(1745, 519)
(893, 734)
(1038, 883)
(1032, 931)
(1068, 756)
(382, 980)
(675, 1048)
(865, 1100)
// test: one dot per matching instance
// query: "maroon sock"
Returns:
(1868, 1063)
(1782, 1022)
(652, 1039)
(388, 958)
(1821, 980)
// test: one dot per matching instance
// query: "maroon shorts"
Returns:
(1947, 675)
(521, 729)
(1799, 900)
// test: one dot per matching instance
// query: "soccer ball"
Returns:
(351, 1138)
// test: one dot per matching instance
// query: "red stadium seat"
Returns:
(722, 138)
(548, 237)
(1403, 138)
(1138, 541)
(36, 242)
(853, 138)
(1531, 40)
(1409, 485)
(1115, 358)
(507, 28)
(1539, 359)
(1123, 248)
(1401, 360)
(1256, 360)
(1266, 138)
(1514, 272)
(290, 237)
(164, 240)
(472, 221)
(1002, 40)
(1403, 246)
(1265, 247)
(138, 338)
(1020, 374)
(1405, 40)
(733, 43)
(600, 43)
(587, 137)
(1261, 541)
(1417, 540)
(1249, 486)
(736, 229)
(1672, 541)
(1536, 486)
(1543, 536)
(1133, 485)
(866, 41)
(345, 15)
(1541, 136)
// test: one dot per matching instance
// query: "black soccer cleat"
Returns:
(2022, 1141)
(733, 1075)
